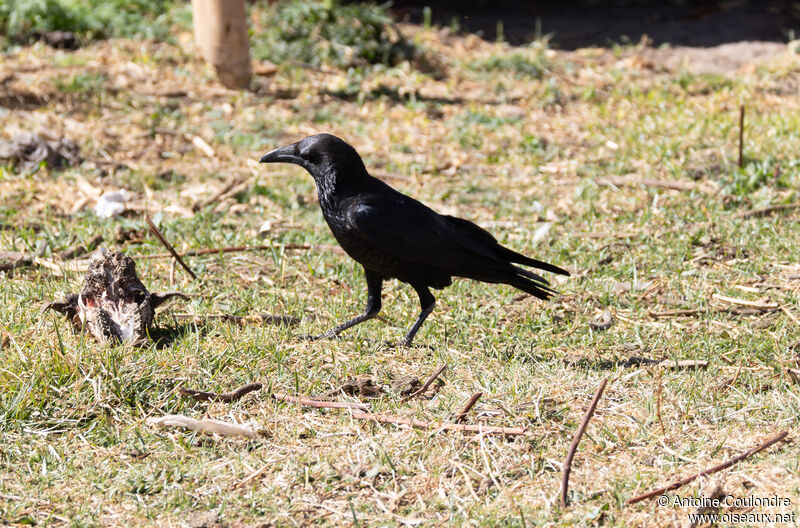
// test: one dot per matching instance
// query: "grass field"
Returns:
(599, 161)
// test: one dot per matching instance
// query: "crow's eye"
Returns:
(138, 297)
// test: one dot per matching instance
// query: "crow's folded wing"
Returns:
(411, 231)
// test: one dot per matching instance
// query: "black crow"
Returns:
(393, 236)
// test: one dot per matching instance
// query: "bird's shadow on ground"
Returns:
(166, 336)
(372, 343)
(579, 362)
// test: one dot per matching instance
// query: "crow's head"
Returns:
(319, 154)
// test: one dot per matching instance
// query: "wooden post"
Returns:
(220, 32)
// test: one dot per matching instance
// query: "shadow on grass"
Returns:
(164, 337)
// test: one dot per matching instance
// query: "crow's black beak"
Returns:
(287, 154)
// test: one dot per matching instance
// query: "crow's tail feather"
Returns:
(518, 258)
(531, 283)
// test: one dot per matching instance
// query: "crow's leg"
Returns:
(426, 302)
(374, 283)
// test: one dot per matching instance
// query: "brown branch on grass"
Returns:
(427, 384)
(226, 397)
(160, 237)
(320, 404)
(675, 485)
(672, 313)
(445, 426)
(576, 440)
(768, 210)
(470, 404)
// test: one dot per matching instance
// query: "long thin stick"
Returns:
(160, 237)
(226, 397)
(254, 475)
(673, 313)
(420, 424)
(741, 136)
(675, 485)
(471, 403)
(239, 249)
(320, 404)
(428, 383)
(576, 440)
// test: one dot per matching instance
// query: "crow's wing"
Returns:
(409, 230)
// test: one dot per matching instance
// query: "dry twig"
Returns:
(576, 440)
(428, 383)
(675, 485)
(226, 397)
(320, 404)
(445, 426)
(160, 237)
(471, 403)
(673, 313)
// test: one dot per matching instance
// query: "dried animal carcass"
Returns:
(113, 305)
